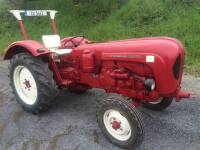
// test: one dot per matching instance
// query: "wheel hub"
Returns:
(117, 125)
(25, 85)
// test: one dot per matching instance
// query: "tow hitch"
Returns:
(182, 94)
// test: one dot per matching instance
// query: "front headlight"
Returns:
(150, 84)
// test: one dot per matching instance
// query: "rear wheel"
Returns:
(159, 105)
(32, 82)
(120, 122)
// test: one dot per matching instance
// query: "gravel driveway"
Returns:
(71, 123)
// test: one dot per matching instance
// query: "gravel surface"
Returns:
(71, 123)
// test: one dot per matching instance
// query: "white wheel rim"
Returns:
(120, 131)
(25, 85)
(157, 102)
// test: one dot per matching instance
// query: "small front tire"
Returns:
(120, 122)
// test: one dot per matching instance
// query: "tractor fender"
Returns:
(33, 47)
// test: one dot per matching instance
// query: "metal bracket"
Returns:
(17, 13)
(31, 13)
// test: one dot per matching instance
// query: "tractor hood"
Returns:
(165, 56)
(163, 46)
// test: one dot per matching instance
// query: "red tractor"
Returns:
(145, 71)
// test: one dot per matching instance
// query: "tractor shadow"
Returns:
(174, 128)
(75, 101)
(78, 111)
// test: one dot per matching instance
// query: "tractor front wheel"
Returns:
(120, 122)
(159, 105)
(32, 82)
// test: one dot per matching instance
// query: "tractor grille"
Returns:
(176, 67)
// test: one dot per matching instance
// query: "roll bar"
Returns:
(31, 13)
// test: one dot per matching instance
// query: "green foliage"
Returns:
(111, 19)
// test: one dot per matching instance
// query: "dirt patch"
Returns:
(35, 144)
(54, 142)
(77, 147)
(96, 136)
(25, 146)
(17, 115)
(4, 94)
(2, 126)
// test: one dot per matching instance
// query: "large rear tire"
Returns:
(32, 82)
(160, 105)
(120, 122)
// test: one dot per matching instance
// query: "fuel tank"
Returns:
(165, 57)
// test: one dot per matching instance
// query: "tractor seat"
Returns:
(52, 42)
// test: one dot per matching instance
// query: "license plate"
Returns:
(35, 13)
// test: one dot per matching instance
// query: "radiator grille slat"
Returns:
(176, 67)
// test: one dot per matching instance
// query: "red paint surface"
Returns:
(115, 125)
(23, 30)
(117, 66)
(54, 27)
(29, 46)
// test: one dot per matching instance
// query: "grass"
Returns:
(114, 19)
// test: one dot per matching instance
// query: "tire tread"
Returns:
(130, 110)
(47, 87)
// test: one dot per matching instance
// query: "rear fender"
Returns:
(33, 47)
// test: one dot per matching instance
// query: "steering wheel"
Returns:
(78, 43)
